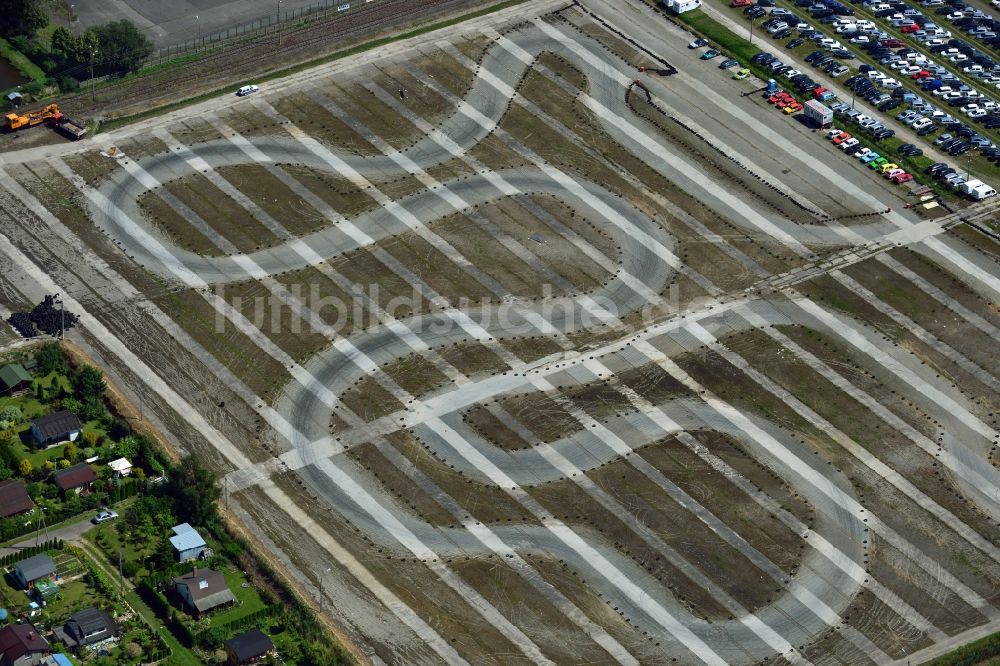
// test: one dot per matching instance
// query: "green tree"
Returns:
(195, 491)
(121, 48)
(70, 452)
(88, 383)
(22, 17)
(49, 359)
(64, 43)
(25, 468)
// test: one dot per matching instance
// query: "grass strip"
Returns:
(280, 73)
(977, 652)
(21, 62)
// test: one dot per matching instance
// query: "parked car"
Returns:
(698, 43)
(103, 517)
(741, 74)
(709, 54)
(247, 90)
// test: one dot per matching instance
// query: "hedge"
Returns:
(971, 654)
(31, 551)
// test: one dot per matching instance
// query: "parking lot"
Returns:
(900, 75)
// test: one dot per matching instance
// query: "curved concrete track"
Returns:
(811, 601)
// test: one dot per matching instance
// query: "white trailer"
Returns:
(818, 113)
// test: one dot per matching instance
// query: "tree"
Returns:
(121, 48)
(195, 489)
(49, 359)
(25, 468)
(88, 383)
(70, 452)
(22, 17)
(64, 43)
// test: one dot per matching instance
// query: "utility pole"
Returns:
(121, 578)
(93, 93)
(322, 587)
(279, 23)
(751, 32)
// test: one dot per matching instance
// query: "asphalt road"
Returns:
(70, 532)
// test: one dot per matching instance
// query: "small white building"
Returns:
(121, 467)
(681, 6)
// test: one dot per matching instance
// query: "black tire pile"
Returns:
(45, 318)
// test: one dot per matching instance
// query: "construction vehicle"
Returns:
(74, 129)
(16, 122)
(55, 118)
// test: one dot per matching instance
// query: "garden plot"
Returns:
(520, 367)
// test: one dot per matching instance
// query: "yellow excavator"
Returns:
(51, 113)
(33, 118)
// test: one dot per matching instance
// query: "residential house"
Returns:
(87, 627)
(14, 379)
(61, 426)
(189, 544)
(14, 498)
(202, 590)
(249, 648)
(76, 478)
(121, 467)
(33, 570)
(21, 645)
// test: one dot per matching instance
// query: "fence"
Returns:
(265, 25)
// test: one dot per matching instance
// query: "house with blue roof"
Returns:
(189, 544)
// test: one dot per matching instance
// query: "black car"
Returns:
(795, 43)
(960, 149)
(782, 34)
(762, 57)
(884, 133)
(843, 54)
(930, 129)
(889, 106)
(965, 131)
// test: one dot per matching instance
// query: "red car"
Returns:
(741, 3)
(841, 138)
(902, 178)
(779, 97)
(892, 43)
(922, 74)
(913, 27)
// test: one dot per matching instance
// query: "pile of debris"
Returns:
(45, 318)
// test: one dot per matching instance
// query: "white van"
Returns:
(247, 90)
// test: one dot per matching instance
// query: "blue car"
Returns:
(709, 54)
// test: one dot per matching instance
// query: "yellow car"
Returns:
(887, 167)
(741, 74)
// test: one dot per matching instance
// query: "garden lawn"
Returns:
(248, 600)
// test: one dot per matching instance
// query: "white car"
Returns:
(861, 153)
(247, 90)
(103, 517)
(921, 123)
(977, 113)
(891, 83)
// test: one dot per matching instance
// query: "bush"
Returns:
(67, 84)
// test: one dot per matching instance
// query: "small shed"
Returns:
(15, 99)
(248, 648)
(61, 426)
(14, 379)
(76, 478)
(189, 544)
(34, 569)
(121, 467)
(14, 498)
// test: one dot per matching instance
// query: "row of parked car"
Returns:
(974, 22)
(883, 165)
